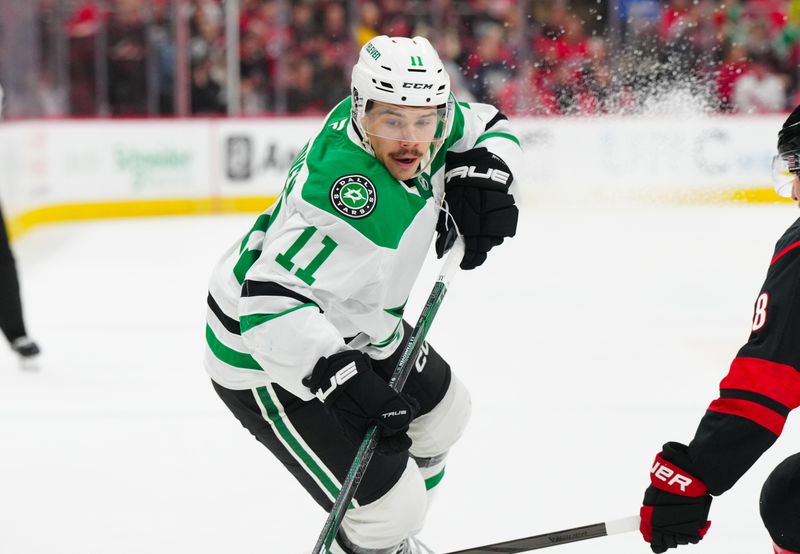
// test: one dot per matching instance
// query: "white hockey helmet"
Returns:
(405, 72)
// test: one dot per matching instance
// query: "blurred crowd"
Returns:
(527, 57)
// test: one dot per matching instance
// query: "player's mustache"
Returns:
(414, 153)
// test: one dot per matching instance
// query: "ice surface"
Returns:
(587, 341)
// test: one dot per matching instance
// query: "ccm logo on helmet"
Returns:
(492, 174)
(670, 476)
(418, 85)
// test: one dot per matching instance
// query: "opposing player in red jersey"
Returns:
(761, 388)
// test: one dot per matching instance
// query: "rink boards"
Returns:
(61, 170)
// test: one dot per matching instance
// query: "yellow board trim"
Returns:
(81, 211)
(751, 196)
(762, 195)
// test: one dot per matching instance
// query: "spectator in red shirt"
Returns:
(761, 89)
(733, 67)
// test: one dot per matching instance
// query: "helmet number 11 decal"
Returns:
(306, 274)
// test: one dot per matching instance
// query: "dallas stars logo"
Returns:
(354, 196)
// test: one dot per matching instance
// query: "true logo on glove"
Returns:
(392, 414)
(464, 171)
(340, 377)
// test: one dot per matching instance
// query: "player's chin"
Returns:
(403, 172)
(406, 175)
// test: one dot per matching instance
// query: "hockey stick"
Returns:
(401, 371)
(546, 540)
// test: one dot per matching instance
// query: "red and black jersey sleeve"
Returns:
(763, 384)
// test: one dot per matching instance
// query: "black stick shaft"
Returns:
(403, 368)
(540, 541)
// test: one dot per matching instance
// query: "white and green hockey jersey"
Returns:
(335, 257)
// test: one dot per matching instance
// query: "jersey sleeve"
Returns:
(482, 125)
(763, 384)
(310, 262)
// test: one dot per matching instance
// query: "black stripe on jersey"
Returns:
(268, 288)
(499, 116)
(230, 324)
(765, 401)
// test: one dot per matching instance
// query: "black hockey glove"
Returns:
(357, 398)
(676, 504)
(476, 192)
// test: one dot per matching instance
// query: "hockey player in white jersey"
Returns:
(305, 312)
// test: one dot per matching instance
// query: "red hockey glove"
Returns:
(676, 504)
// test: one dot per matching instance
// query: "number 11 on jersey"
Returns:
(306, 274)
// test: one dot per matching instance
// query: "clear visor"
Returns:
(425, 125)
(784, 169)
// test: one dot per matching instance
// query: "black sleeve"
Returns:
(763, 384)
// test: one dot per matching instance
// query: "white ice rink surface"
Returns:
(588, 341)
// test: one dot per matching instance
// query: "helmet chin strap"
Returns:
(365, 142)
(426, 161)
(356, 115)
(362, 136)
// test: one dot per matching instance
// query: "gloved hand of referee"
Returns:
(357, 398)
(477, 197)
(676, 504)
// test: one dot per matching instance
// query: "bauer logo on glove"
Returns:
(675, 507)
(669, 478)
